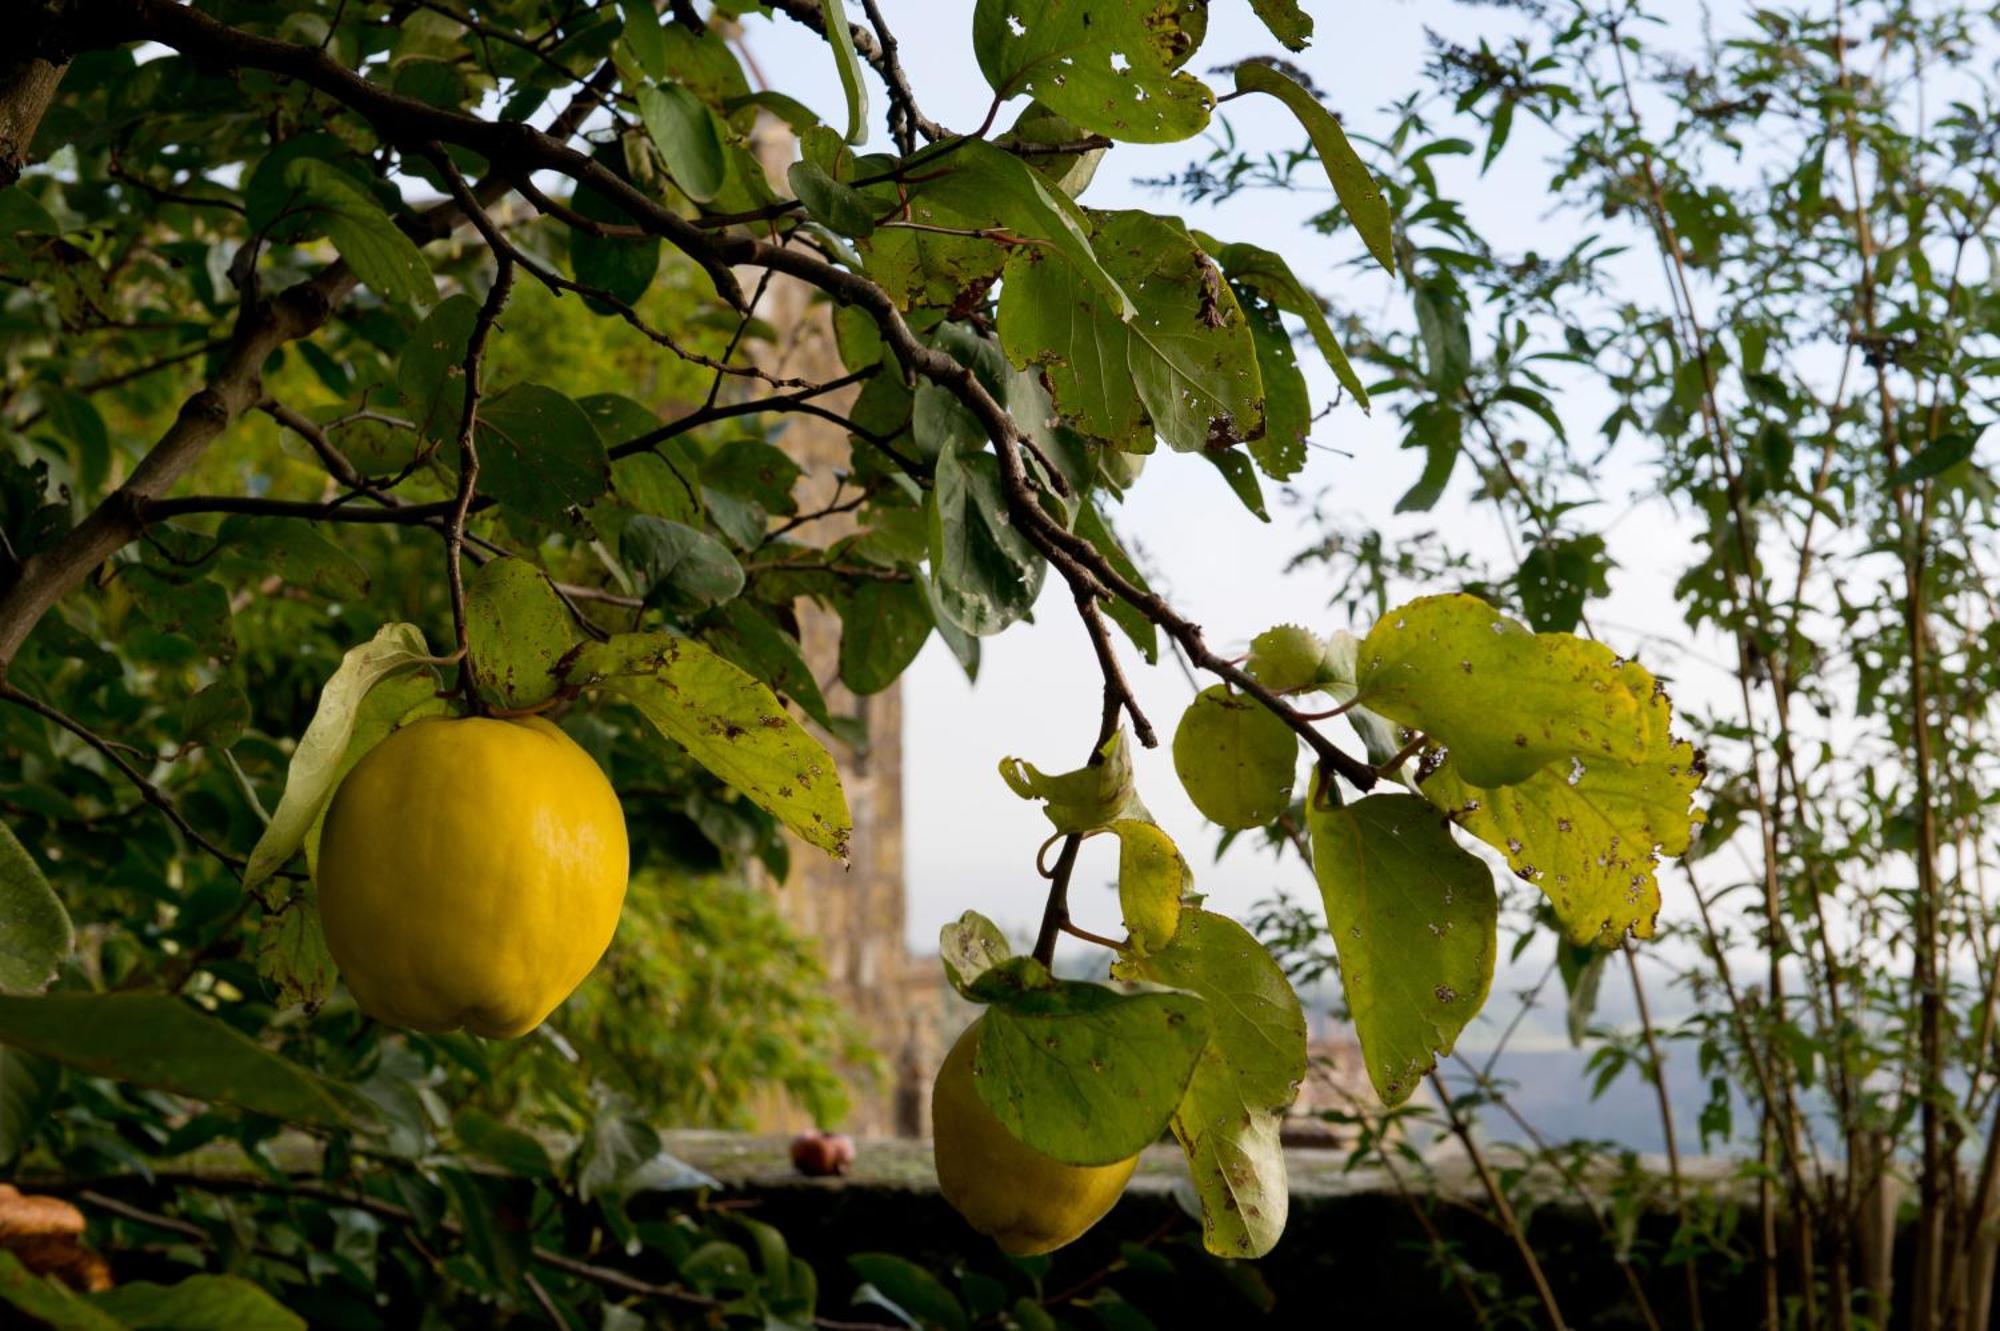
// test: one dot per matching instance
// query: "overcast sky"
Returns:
(971, 842)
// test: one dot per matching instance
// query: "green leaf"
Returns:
(160, 1042)
(831, 203)
(316, 763)
(1271, 277)
(71, 415)
(903, 1287)
(679, 566)
(35, 932)
(848, 64)
(28, 1085)
(518, 1152)
(985, 572)
(1557, 576)
(1438, 428)
(1352, 183)
(431, 374)
(1236, 758)
(1414, 918)
(1505, 701)
(756, 471)
(1152, 878)
(1288, 412)
(1241, 478)
(730, 724)
(1290, 659)
(970, 946)
(1092, 797)
(1090, 525)
(985, 181)
(196, 608)
(1112, 69)
(518, 631)
(1941, 454)
(1590, 833)
(687, 135)
(1087, 1073)
(539, 454)
(257, 548)
(883, 625)
(622, 267)
(748, 635)
(1248, 1076)
(197, 1303)
(1184, 367)
(1288, 22)
(976, 186)
(644, 39)
(1042, 129)
(374, 247)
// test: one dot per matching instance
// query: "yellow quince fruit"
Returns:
(1025, 1201)
(471, 873)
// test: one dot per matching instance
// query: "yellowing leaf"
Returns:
(1089, 798)
(729, 723)
(1590, 836)
(1504, 701)
(520, 631)
(1415, 919)
(1236, 759)
(316, 765)
(1152, 877)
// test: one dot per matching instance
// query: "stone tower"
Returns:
(855, 914)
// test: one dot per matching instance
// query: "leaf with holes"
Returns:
(1589, 833)
(1184, 367)
(1505, 701)
(1113, 69)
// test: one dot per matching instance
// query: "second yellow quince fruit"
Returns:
(1025, 1201)
(471, 873)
